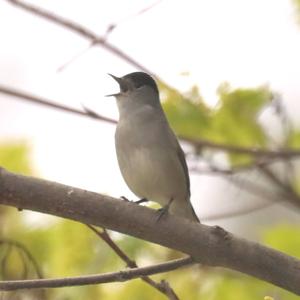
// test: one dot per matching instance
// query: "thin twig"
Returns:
(114, 25)
(238, 212)
(110, 28)
(163, 286)
(253, 189)
(291, 196)
(79, 29)
(42, 101)
(120, 276)
(258, 152)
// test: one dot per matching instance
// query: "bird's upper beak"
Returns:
(121, 82)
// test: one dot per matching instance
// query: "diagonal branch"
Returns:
(79, 29)
(286, 189)
(163, 286)
(42, 101)
(208, 245)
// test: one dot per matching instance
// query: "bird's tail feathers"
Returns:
(184, 209)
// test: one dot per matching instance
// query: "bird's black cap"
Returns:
(139, 79)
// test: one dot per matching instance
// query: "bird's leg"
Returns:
(125, 199)
(143, 200)
(162, 211)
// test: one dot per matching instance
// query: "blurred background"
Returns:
(229, 72)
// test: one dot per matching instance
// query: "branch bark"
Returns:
(121, 276)
(211, 246)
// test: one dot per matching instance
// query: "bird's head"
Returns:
(138, 90)
(135, 81)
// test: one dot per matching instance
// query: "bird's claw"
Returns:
(164, 210)
(143, 200)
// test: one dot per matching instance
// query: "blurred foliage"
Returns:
(66, 248)
(233, 121)
(14, 157)
(297, 5)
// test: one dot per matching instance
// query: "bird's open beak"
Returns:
(119, 81)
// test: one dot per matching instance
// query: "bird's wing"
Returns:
(182, 160)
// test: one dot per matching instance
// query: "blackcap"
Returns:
(150, 158)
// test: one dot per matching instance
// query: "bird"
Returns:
(149, 155)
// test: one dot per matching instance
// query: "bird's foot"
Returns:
(164, 210)
(125, 199)
(143, 200)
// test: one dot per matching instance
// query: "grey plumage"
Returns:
(150, 158)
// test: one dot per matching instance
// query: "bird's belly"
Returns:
(152, 174)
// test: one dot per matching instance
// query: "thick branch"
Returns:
(207, 245)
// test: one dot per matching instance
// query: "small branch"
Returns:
(110, 28)
(238, 212)
(79, 29)
(163, 286)
(114, 25)
(120, 276)
(45, 102)
(258, 152)
(291, 196)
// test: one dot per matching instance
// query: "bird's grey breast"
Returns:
(147, 152)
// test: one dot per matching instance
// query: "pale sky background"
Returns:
(246, 43)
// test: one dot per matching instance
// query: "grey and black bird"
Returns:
(150, 158)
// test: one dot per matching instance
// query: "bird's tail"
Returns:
(184, 209)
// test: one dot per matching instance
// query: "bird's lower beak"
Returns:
(119, 81)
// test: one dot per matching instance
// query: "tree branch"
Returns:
(79, 29)
(211, 246)
(45, 102)
(270, 154)
(120, 276)
(162, 286)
